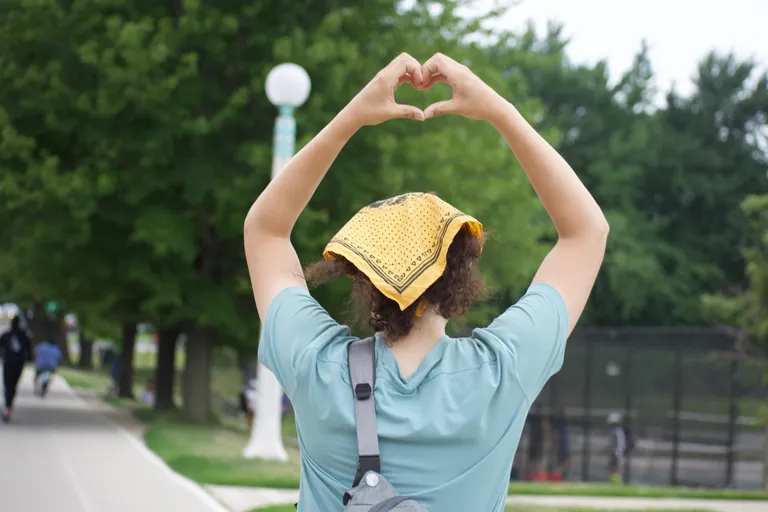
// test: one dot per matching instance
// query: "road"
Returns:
(59, 454)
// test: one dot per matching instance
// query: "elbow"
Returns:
(593, 231)
(249, 226)
(252, 227)
(599, 233)
(602, 228)
(597, 227)
(258, 226)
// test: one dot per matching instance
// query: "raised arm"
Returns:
(272, 261)
(572, 265)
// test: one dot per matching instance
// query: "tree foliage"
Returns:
(748, 308)
(134, 136)
(669, 176)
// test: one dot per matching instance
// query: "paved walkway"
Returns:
(60, 454)
(244, 499)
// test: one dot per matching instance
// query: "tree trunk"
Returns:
(86, 352)
(60, 339)
(165, 371)
(36, 322)
(42, 327)
(765, 453)
(197, 374)
(125, 379)
(185, 375)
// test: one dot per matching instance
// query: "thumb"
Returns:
(440, 108)
(408, 112)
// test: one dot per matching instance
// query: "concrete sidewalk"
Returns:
(59, 454)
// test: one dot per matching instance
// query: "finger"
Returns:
(407, 112)
(405, 64)
(413, 68)
(440, 108)
(429, 81)
(438, 64)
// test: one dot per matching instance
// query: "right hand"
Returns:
(472, 98)
(376, 102)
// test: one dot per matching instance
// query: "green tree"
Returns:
(747, 309)
(144, 134)
(670, 178)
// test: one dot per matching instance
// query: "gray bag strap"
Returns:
(361, 356)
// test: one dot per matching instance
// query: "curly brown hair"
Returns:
(451, 295)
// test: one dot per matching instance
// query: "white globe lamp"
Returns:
(287, 88)
(288, 85)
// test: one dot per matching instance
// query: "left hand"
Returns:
(472, 98)
(376, 102)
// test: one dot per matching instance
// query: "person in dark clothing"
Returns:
(114, 374)
(562, 431)
(17, 350)
(536, 426)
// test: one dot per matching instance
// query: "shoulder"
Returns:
(298, 333)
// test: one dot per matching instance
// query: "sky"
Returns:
(679, 32)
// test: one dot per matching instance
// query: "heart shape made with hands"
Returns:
(376, 102)
(428, 82)
(423, 77)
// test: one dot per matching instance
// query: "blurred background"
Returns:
(134, 136)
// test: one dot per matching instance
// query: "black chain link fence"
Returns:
(689, 404)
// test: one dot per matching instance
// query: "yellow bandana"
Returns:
(401, 243)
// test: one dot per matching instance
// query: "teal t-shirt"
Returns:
(448, 433)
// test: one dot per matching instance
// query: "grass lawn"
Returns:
(83, 379)
(212, 453)
(631, 491)
(510, 508)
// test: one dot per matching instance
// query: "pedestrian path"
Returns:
(59, 454)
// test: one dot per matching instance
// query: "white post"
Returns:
(287, 87)
(266, 440)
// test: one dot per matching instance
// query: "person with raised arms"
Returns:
(435, 421)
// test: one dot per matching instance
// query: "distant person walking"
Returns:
(618, 446)
(114, 374)
(148, 397)
(17, 350)
(248, 402)
(47, 359)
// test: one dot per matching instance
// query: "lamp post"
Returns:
(287, 88)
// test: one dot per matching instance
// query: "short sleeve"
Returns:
(534, 330)
(295, 329)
